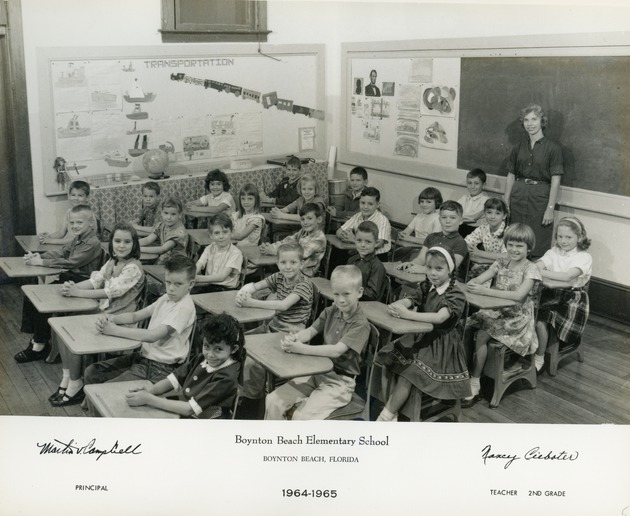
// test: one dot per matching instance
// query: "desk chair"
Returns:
(324, 266)
(359, 407)
(191, 248)
(499, 354)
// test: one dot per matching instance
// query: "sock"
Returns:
(386, 415)
(475, 386)
(65, 378)
(539, 361)
(74, 386)
(37, 346)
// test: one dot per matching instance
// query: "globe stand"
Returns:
(158, 176)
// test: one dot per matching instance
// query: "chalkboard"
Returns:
(205, 105)
(587, 100)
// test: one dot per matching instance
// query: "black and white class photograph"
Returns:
(305, 242)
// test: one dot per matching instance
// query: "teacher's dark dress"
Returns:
(533, 169)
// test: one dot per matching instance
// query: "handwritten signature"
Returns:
(71, 448)
(532, 454)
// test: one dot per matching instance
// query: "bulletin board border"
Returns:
(595, 44)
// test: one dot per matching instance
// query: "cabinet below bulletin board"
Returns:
(104, 108)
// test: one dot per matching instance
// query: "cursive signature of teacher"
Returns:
(533, 454)
(71, 448)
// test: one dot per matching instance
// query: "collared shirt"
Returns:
(177, 234)
(223, 198)
(285, 191)
(538, 163)
(381, 221)
(473, 205)
(492, 242)
(296, 205)
(350, 204)
(302, 287)
(423, 225)
(373, 274)
(82, 255)
(149, 217)
(353, 331)
(441, 289)
(453, 241)
(213, 259)
(557, 260)
(241, 222)
(122, 291)
(314, 245)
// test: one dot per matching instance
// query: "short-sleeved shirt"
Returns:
(241, 222)
(213, 259)
(557, 260)
(472, 205)
(538, 163)
(423, 225)
(223, 198)
(382, 223)
(149, 217)
(373, 275)
(204, 386)
(314, 245)
(177, 234)
(180, 316)
(353, 332)
(453, 241)
(82, 255)
(296, 205)
(302, 287)
(492, 241)
(122, 291)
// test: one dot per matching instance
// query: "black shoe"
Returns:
(57, 394)
(29, 355)
(66, 401)
(469, 403)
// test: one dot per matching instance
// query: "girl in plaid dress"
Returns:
(564, 306)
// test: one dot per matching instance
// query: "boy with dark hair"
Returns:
(78, 195)
(473, 202)
(358, 179)
(150, 213)
(286, 191)
(372, 269)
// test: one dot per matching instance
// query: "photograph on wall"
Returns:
(358, 86)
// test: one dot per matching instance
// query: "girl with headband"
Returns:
(565, 307)
(436, 362)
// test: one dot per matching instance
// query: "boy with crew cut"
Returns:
(286, 191)
(149, 215)
(165, 342)
(369, 211)
(81, 256)
(293, 301)
(473, 202)
(78, 195)
(449, 238)
(358, 179)
(345, 331)
(372, 269)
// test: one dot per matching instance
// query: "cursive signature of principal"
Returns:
(71, 448)
(487, 453)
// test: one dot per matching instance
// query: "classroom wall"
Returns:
(49, 23)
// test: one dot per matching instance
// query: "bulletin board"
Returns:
(102, 108)
(442, 107)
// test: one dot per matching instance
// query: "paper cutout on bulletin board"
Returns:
(421, 70)
(372, 131)
(438, 133)
(410, 97)
(438, 100)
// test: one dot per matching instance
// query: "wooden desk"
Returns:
(270, 219)
(256, 258)
(47, 299)
(323, 285)
(337, 243)
(403, 276)
(265, 349)
(481, 259)
(108, 399)
(377, 314)
(201, 237)
(483, 301)
(411, 242)
(219, 302)
(31, 243)
(16, 267)
(157, 272)
(78, 332)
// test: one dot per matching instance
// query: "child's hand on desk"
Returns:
(397, 309)
(476, 288)
(104, 325)
(288, 342)
(265, 198)
(265, 248)
(68, 289)
(33, 259)
(344, 235)
(137, 396)
(43, 236)
(276, 212)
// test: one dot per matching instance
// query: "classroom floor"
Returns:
(595, 391)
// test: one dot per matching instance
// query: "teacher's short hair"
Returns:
(534, 108)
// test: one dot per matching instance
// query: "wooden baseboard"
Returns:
(610, 300)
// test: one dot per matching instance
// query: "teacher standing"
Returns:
(533, 181)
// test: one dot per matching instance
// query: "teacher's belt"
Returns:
(528, 181)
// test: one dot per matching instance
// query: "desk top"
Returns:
(481, 259)
(335, 241)
(219, 302)
(200, 236)
(280, 221)
(47, 299)
(155, 271)
(483, 301)
(323, 285)
(377, 314)
(109, 400)
(265, 349)
(197, 213)
(411, 242)
(31, 243)
(78, 332)
(16, 267)
(256, 258)
(405, 277)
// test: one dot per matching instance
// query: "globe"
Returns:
(155, 162)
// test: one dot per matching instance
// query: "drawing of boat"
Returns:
(138, 114)
(73, 129)
(139, 151)
(103, 97)
(137, 95)
(72, 77)
(116, 160)
(129, 68)
(135, 130)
